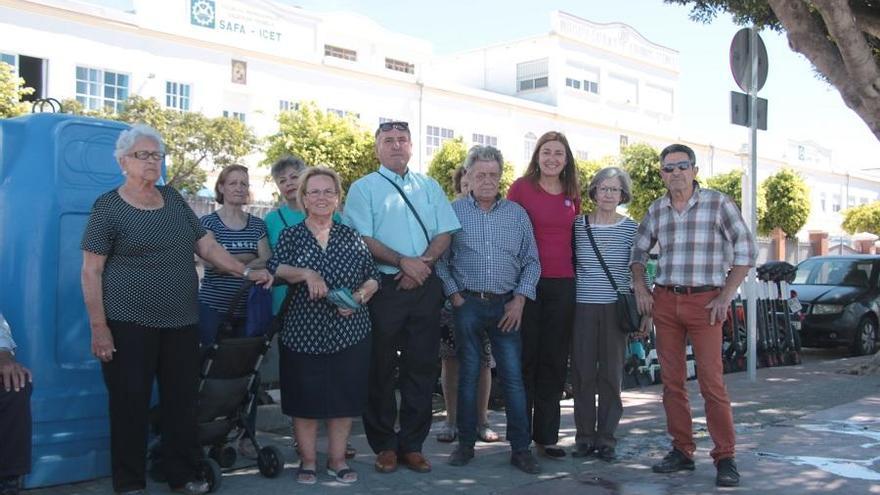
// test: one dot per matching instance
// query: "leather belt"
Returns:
(486, 296)
(683, 289)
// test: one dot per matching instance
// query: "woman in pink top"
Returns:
(549, 193)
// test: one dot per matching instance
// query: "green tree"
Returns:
(841, 38)
(445, 161)
(642, 163)
(324, 138)
(12, 90)
(194, 143)
(863, 218)
(788, 203)
(731, 185)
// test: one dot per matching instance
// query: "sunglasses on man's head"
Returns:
(669, 167)
(400, 126)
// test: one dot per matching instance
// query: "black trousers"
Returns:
(15, 432)
(408, 321)
(142, 354)
(546, 335)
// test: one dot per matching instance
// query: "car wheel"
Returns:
(865, 339)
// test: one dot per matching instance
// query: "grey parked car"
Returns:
(841, 301)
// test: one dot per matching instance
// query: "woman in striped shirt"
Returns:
(598, 344)
(240, 233)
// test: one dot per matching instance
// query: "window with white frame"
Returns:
(383, 120)
(587, 81)
(435, 137)
(9, 59)
(573, 83)
(98, 88)
(343, 113)
(582, 155)
(835, 203)
(850, 201)
(339, 52)
(240, 116)
(532, 75)
(400, 66)
(822, 201)
(529, 142)
(287, 105)
(485, 140)
(622, 90)
(177, 96)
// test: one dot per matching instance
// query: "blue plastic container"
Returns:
(52, 167)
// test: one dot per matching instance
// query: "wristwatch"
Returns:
(246, 272)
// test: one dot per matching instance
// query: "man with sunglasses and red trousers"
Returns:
(406, 222)
(706, 250)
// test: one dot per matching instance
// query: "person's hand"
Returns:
(405, 282)
(457, 299)
(718, 308)
(644, 300)
(316, 285)
(102, 342)
(645, 327)
(261, 277)
(344, 312)
(512, 314)
(415, 268)
(13, 375)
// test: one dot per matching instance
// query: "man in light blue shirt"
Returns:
(488, 272)
(15, 415)
(406, 222)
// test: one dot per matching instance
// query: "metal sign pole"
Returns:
(751, 282)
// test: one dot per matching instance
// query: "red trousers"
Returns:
(678, 317)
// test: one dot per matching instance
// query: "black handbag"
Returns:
(627, 309)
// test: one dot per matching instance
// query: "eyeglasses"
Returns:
(327, 193)
(609, 190)
(670, 167)
(399, 125)
(145, 155)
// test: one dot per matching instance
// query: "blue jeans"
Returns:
(473, 318)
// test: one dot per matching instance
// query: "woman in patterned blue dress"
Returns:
(325, 349)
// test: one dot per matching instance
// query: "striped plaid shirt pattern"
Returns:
(495, 251)
(699, 245)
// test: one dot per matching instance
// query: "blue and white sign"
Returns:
(203, 13)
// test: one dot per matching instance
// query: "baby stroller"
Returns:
(228, 387)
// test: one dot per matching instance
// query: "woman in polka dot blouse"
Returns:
(140, 288)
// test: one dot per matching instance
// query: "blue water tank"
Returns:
(52, 167)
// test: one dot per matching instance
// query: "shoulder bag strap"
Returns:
(598, 254)
(411, 207)
(283, 220)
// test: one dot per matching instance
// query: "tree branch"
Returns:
(868, 19)
(807, 35)
(854, 50)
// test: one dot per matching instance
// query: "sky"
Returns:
(801, 106)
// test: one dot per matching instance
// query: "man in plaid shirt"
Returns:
(706, 250)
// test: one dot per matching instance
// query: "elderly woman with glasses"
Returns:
(140, 289)
(598, 344)
(325, 341)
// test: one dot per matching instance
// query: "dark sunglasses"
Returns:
(670, 167)
(399, 125)
(145, 155)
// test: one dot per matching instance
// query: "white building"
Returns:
(604, 85)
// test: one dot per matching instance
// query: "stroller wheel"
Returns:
(224, 455)
(270, 462)
(210, 472)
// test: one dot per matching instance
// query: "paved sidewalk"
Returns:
(801, 429)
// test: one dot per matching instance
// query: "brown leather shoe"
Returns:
(386, 461)
(415, 461)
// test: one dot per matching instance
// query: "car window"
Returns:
(850, 273)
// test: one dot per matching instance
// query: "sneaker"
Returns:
(461, 455)
(583, 450)
(525, 461)
(674, 461)
(606, 453)
(727, 473)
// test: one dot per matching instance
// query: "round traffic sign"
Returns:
(741, 60)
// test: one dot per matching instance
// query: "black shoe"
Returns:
(461, 455)
(10, 485)
(552, 452)
(606, 453)
(583, 450)
(525, 461)
(727, 473)
(674, 461)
